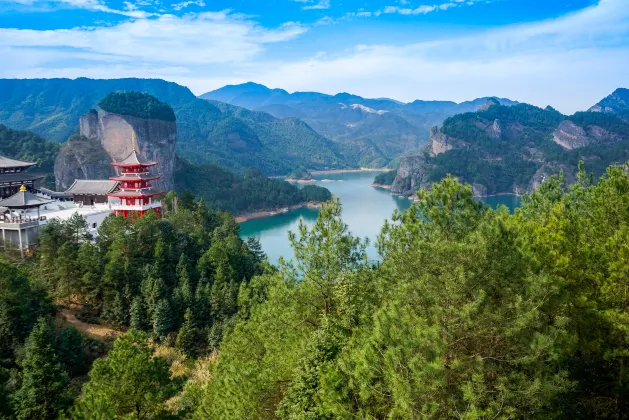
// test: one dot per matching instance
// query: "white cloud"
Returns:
(569, 62)
(184, 4)
(322, 4)
(425, 9)
(204, 38)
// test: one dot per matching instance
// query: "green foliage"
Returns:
(137, 104)
(385, 178)
(508, 163)
(129, 383)
(253, 192)
(27, 146)
(43, 380)
(471, 313)
(300, 173)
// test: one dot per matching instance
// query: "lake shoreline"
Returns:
(243, 217)
(382, 186)
(347, 171)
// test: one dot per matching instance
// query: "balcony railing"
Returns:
(136, 207)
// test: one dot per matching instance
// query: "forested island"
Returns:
(471, 313)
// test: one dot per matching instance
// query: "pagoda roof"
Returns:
(6, 162)
(19, 177)
(54, 194)
(134, 159)
(143, 192)
(23, 199)
(141, 176)
(92, 187)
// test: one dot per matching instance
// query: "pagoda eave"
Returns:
(123, 179)
(138, 195)
(134, 165)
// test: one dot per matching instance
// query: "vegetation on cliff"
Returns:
(471, 313)
(25, 145)
(385, 178)
(137, 104)
(300, 174)
(222, 189)
(506, 160)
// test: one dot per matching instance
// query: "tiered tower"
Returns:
(135, 194)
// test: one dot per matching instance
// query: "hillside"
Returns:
(617, 102)
(25, 145)
(513, 149)
(207, 132)
(395, 127)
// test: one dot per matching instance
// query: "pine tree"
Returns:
(44, 381)
(162, 320)
(138, 315)
(115, 310)
(215, 336)
(255, 247)
(187, 336)
(70, 350)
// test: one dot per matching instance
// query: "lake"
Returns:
(364, 209)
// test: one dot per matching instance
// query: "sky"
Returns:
(567, 54)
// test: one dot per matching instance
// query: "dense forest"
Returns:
(385, 178)
(523, 146)
(25, 145)
(222, 189)
(470, 313)
(137, 104)
(300, 173)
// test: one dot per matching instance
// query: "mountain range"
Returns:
(501, 149)
(392, 126)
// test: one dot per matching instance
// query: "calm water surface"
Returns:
(364, 209)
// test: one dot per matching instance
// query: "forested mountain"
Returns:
(207, 132)
(512, 149)
(393, 126)
(471, 313)
(25, 145)
(617, 102)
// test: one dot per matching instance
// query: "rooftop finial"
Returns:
(23, 188)
(133, 139)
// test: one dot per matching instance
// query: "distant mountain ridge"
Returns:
(395, 127)
(503, 149)
(208, 132)
(617, 102)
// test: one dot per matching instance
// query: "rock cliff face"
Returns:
(570, 136)
(155, 140)
(439, 142)
(81, 158)
(411, 175)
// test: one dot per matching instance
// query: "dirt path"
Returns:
(67, 318)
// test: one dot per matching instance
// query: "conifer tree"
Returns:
(70, 350)
(162, 320)
(138, 316)
(187, 336)
(44, 381)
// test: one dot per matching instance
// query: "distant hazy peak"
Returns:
(616, 102)
(367, 109)
(490, 102)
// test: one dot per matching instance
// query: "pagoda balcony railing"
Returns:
(136, 207)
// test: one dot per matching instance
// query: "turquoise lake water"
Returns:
(364, 209)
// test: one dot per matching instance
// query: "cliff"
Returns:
(81, 158)
(155, 140)
(411, 175)
(106, 134)
(513, 149)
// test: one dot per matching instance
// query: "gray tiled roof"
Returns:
(91, 187)
(20, 177)
(134, 159)
(23, 199)
(6, 162)
(54, 194)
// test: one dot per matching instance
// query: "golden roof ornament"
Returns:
(23, 188)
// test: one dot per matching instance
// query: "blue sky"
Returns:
(568, 54)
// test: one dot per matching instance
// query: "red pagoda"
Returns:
(135, 194)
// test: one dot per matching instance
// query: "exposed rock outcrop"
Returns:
(547, 170)
(411, 175)
(439, 142)
(570, 136)
(81, 158)
(490, 102)
(494, 130)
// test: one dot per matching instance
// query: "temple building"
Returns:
(18, 223)
(135, 194)
(13, 175)
(88, 192)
